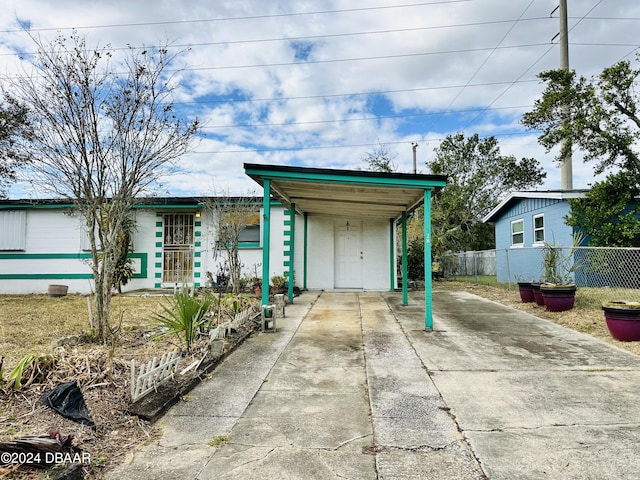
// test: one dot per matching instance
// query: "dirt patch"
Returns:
(42, 326)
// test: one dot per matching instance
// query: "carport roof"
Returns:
(352, 193)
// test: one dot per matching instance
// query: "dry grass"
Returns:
(35, 324)
(31, 323)
(586, 316)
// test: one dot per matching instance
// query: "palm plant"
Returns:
(185, 315)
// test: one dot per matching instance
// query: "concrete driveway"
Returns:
(350, 386)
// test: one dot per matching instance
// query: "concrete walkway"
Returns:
(350, 386)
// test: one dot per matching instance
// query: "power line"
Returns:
(246, 17)
(359, 119)
(485, 61)
(328, 147)
(352, 94)
(530, 67)
(309, 37)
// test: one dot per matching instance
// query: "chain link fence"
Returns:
(601, 274)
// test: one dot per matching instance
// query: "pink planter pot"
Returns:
(526, 292)
(558, 299)
(537, 294)
(623, 322)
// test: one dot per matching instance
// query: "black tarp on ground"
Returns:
(68, 401)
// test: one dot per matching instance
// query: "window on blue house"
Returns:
(538, 229)
(517, 233)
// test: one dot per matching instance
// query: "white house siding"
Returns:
(320, 267)
(54, 252)
(321, 250)
(375, 243)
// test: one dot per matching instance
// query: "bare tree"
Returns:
(231, 216)
(104, 132)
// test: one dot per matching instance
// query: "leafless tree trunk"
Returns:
(231, 215)
(104, 133)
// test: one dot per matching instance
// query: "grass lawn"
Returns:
(33, 323)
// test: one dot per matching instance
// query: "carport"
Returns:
(353, 193)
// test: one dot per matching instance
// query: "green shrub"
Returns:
(278, 282)
(415, 259)
(185, 315)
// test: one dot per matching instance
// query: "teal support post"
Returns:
(405, 283)
(304, 254)
(266, 238)
(428, 309)
(392, 257)
(292, 244)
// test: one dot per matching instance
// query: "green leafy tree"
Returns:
(603, 123)
(104, 132)
(478, 177)
(14, 127)
(381, 160)
(609, 214)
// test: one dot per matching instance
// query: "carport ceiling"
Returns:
(351, 193)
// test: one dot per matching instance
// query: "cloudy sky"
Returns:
(323, 83)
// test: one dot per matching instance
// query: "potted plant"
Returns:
(559, 290)
(525, 289)
(537, 294)
(623, 320)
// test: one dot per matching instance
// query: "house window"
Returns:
(13, 230)
(538, 229)
(85, 242)
(250, 235)
(517, 233)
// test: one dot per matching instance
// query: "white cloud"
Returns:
(477, 60)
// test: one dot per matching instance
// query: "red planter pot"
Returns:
(558, 299)
(537, 294)
(526, 292)
(623, 320)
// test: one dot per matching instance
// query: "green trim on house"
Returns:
(143, 257)
(247, 245)
(33, 206)
(159, 249)
(342, 177)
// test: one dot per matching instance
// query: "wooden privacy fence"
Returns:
(152, 374)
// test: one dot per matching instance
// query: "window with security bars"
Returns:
(178, 248)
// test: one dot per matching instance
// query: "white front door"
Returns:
(348, 254)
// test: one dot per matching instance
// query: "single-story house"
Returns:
(324, 228)
(529, 219)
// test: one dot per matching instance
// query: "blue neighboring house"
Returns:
(528, 219)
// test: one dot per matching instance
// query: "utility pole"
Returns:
(566, 166)
(414, 145)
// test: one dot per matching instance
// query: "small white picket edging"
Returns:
(152, 374)
(241, 317)
(220, 331)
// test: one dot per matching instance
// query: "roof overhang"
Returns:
(351, 193)
(494, 214)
